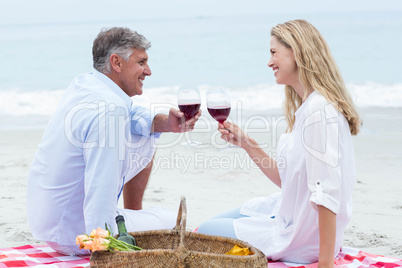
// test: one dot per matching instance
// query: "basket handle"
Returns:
(181, 218)
(181, 251)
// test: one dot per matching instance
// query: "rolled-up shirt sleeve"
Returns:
(320, 139)
(141, 121)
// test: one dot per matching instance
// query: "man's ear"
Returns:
(116, 62)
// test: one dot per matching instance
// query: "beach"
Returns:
(208, 45)
(213, 181)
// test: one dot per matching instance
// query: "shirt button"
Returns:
(318, 183)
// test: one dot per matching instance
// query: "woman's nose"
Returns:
(270, 62)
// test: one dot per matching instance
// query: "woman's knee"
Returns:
(233, 214)
(221, 227)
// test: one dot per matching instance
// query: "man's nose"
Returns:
(147, 70)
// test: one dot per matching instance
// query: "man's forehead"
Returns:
(139, 54)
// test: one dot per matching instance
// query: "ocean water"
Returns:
(40, 60)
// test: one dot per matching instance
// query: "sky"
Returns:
(48, 11)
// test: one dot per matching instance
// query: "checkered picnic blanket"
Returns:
(43, 256)
(39, 256)
(349, 258)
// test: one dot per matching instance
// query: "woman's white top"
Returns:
(316, 167)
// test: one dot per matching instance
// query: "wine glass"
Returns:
(189, 101)
(218, 105)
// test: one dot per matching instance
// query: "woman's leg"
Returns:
(233, 214)
(221, 224)
(221, 227)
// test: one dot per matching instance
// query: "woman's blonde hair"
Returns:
(317, 70)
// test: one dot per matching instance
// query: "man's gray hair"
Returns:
(116, 40)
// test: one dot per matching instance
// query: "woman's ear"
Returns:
(115, 62)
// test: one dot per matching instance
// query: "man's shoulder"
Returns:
(89, 88)
(87, 80)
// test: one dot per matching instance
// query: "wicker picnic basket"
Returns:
(179, 248)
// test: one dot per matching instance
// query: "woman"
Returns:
(306, 221)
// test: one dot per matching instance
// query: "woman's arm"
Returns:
(327, 230)
(233, 134)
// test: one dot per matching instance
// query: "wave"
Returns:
(264, 97)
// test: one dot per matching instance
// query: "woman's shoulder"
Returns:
(317, 102)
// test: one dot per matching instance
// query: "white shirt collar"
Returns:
(113, 86)
(300, 109)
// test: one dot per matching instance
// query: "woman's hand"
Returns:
(230, 132)
(233, 134)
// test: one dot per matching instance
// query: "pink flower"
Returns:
(100, 239)
(99, 233)
(93, 233)
(88, 244)
(81, 238)
(100, 244)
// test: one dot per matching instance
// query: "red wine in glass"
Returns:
(218, 105)
(189, 110)
(189, 102)
(219, 113)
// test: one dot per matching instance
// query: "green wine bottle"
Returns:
(123, 235)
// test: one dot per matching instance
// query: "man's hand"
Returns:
(174, 122)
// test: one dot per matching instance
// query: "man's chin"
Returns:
(137, 93)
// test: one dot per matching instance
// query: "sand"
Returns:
(213, 181)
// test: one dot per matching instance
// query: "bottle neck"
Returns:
(122, 228)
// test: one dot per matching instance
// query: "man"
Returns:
(95, 143)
